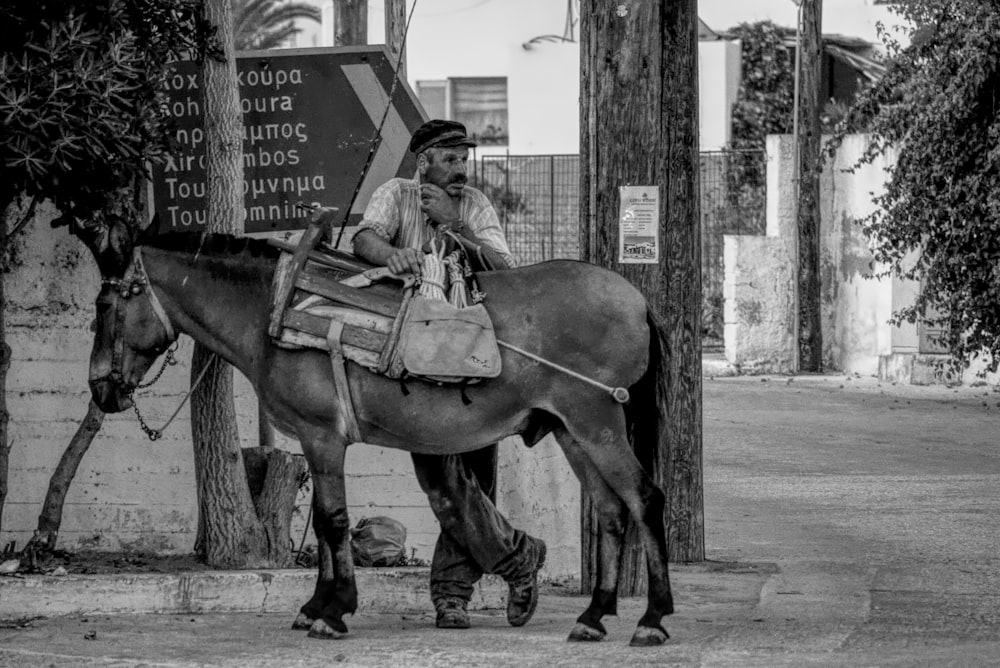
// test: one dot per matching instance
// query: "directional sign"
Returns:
(311, 118)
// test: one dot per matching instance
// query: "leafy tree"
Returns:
(81, 93)
(268, 24)
(938, 221)
(81, 102)
(766, 96)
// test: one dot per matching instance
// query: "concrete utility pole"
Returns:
(395, 28)
(639, 126)
(350, 22)
(808, 142)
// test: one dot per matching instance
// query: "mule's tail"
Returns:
(646, 411)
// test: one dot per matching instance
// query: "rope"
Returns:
(432, 276)
(619, 394)
(378, 132)
(458, 294)
(156, 434)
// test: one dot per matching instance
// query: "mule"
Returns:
(217, 290)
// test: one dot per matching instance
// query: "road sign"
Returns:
(310, 120)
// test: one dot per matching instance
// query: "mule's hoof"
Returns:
(324, 631)
(583, 633)
(646, 636)
(302, 623)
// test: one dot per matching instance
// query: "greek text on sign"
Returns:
(310, 117)
(639, 224)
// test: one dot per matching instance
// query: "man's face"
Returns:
(446, 168)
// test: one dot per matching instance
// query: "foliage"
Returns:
(82, 92)
(268, 24)
(767, 85)
(938, 220)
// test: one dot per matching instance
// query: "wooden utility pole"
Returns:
(350, 22)
(639, 126)
(395, 29)
(808, 170)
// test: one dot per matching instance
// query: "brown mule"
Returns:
(216, 289)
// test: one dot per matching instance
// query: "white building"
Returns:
(514, 64)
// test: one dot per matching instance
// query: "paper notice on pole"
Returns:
(639, 224)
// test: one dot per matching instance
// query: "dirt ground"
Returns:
(106, 563)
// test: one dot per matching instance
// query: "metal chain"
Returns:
(169, 360)
(155, 434)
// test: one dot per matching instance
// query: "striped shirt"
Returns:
(394, 214)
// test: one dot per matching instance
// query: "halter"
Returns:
(135, 282)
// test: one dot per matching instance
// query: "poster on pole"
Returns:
(639, 224)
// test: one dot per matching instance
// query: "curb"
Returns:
(717, 367)
(272, 591)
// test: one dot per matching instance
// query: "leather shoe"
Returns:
(522, 593)
(451, 613)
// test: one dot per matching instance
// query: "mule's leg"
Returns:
(611, 520)
(602, 436)
(336, 593)
(313, 608)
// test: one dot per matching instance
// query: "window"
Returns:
(479, 103)
(434, 97)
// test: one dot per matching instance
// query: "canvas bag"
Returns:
(442, 342)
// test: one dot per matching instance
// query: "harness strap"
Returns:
(344, 401)
(154, 301)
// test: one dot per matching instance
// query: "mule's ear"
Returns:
(93, 234)
(150, 230)
(121, 240)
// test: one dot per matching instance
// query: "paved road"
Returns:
(848, 523)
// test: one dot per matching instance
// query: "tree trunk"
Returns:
(11, 208)
(275, 476)
(350, 22)
(639, 125)
(395, 30)
(808, 142)
(5, 207)
(50, 518)
(229, 533)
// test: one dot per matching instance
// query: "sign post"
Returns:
(311, 118)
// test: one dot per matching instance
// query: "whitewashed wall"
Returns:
(761, 317)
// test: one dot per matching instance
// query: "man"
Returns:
(402, 217)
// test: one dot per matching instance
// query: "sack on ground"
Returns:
(379, 541)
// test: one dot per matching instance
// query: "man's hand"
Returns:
(438, 205)
(405, 261)
(377, 250)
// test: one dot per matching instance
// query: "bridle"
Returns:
(133, 283)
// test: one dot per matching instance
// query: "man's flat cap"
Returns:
(439, 133)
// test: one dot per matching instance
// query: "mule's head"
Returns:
(131, 328)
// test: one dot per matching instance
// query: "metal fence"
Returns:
(537, 199)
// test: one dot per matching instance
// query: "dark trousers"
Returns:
(475, 538)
